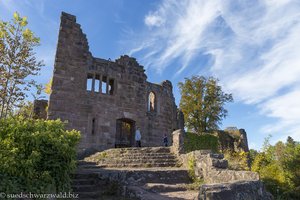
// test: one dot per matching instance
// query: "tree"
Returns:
(278, 166)
(25, 110)
(252, 154)
(48, 87)
(18, 64)
(202, 102)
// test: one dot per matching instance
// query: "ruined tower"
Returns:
(106, 100)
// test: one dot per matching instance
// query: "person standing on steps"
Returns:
(165, 140)
(138, 137)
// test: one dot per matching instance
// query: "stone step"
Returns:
(143, 164)
(85, 181)
(85, 188)
(137, 152)
(142, 149)
(131, 165)
(133, 159)
(147, 156)
(83, 162)
(84, 175)
(88, 195)
(133, 154)
(144, 194)
(181, 195)
(161, 187)
(140, 160)
(168, 175)
(140, 165)
(161, 150)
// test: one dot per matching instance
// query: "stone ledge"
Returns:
(241, 190)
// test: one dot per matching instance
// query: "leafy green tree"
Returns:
(202, 102)
(18, 63)
(252, 154)
(278, 166)
(25, 110)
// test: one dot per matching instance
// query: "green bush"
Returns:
(36, 155)
(237, 160)
(194, 142)
(278, 167)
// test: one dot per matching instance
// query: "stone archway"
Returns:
(125, 129)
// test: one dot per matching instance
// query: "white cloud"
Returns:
(286, 108)
(255, 46)
(153, 20)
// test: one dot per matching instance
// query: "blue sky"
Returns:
(252, 46)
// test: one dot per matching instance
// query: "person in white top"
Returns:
(138, 137)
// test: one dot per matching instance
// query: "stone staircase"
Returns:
(134, 157)
(132, 173)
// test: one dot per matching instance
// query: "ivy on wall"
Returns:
(194, 142)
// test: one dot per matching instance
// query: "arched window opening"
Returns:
(151, 102)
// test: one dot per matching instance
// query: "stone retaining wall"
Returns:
(221, 183)
(252, 190)
(213, 168)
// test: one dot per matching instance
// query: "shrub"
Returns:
(197, 182)
(36, 155)
(237, 160)
(191, 167)
(194, 142)
(278, 167)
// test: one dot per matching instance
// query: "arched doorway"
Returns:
(125, 132)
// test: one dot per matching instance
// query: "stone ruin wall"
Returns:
(220, 182)
(94, 113)
(232, 139)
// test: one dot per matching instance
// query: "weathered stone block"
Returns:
(244, 190)
(178, 142)
(220, 163)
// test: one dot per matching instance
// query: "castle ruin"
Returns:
(106, 100)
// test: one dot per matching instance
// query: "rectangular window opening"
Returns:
(97, 83)
(89, 82)
(111, 87)
(93, 126)
(104, 85)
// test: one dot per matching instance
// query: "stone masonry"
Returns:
(220, 182)
(106, 100)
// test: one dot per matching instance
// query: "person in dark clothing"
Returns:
(165, 140)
